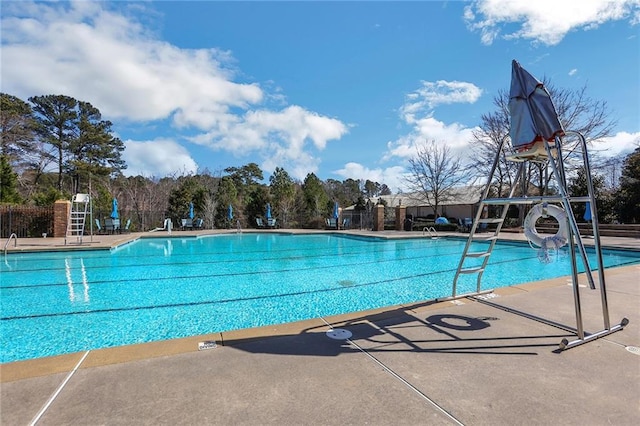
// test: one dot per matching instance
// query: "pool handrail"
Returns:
(15, 242)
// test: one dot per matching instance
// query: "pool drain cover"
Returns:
(339, 334)
(633, 349)
(347, 283)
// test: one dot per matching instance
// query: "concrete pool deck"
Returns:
(477, 361)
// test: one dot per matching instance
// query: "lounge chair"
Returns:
(346, 223)
(112, 225)
(187, 223)
(198, 223)
(127, 225)
(98, 227)
(331, 223)
(259, 222)
(271, 223)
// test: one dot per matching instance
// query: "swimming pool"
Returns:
(162, 288)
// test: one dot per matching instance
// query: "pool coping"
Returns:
(18, 370)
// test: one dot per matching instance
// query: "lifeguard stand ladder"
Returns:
(77, 217)
(552, 157)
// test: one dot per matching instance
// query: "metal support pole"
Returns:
(596, 232)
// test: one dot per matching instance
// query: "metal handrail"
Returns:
(431, 230)
(15, 242)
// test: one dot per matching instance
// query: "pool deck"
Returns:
(490, 360)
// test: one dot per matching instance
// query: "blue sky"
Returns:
(341, 89)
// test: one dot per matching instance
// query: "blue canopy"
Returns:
(268, 210)
(442, 220)
(587, 212)
(336, 210)
(191, 215)
(230, 212)
(114, 209)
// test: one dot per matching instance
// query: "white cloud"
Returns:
(89, 53)
(573, 72)
(622, 143)
(418, 111)
(286, 138)
(84, 50)
(432, 94)
(393, 177)
(158, 158)
(544, 21)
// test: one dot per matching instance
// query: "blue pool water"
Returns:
(156, 289)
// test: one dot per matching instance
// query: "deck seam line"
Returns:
(45, 407)
(401, 379)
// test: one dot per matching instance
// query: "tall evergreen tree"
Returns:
(283, 194)
(94, 152)
(8, 182)
(628, 195)
(16, 127)
(315, 197)
(56, 121)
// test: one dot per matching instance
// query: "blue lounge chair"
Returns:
(259, 222)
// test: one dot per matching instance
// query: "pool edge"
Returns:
(37, 367)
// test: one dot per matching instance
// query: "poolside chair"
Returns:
(198, 223)
(127, 225)
(259, 222)
(331, 223)
(187, 223)
(98, 227)
(271, 223)
(346, 223)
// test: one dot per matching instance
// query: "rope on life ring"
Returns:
(538, 211)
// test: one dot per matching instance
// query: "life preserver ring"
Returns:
(544, 209)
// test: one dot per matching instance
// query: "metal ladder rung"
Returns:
(482, 239)
(479, 254)
(491, 220)
(471, 270)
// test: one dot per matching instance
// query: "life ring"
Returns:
(544, 209)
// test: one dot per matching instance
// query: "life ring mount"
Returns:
(544, 210)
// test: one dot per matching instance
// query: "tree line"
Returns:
(54, 146)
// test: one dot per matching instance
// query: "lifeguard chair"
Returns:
(537, 137)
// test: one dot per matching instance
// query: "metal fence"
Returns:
(26, 221)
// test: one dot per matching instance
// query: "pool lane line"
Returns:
(45, 407)
(259, 297)
(400, 378)
(273, 271)
(275, 256)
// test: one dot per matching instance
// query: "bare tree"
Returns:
(577, 112)
(435, 173)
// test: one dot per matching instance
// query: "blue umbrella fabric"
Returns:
(191, 214)
(533, 115)
(114, 209)
(336, 210)
(442, 221)
(587, 212)
(230, 212)
(268, 210)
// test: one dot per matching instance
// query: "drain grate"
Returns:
(347, 283)
(633, 349)
(339, 334)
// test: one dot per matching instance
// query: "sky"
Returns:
(339, 89)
